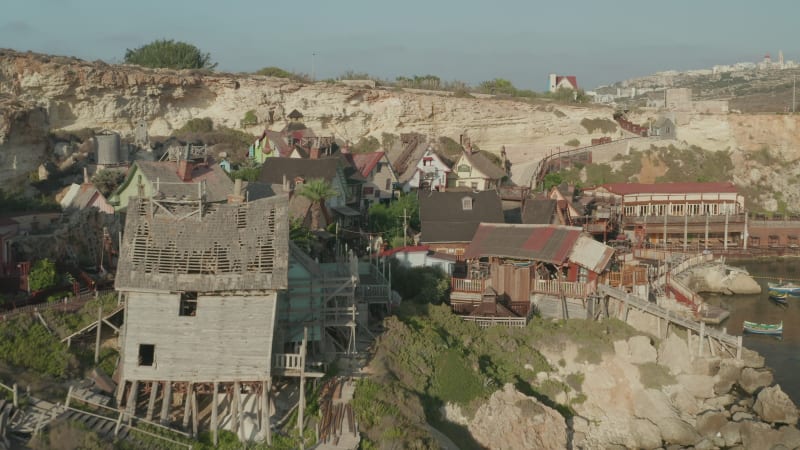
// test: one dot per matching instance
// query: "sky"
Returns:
(600, 42)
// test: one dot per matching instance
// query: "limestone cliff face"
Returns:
(68, 93)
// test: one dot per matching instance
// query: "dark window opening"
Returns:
(147, 354)
(188, 304)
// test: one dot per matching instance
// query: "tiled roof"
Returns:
(539, 211)
(483, 164)
(571, 78)
(365, 162)
(274, 169)
(670, 188)
(547, 243)
(406, 249)
(443, 218)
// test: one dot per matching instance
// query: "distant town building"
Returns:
(557, 82)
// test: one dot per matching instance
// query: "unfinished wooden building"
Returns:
(200, 283)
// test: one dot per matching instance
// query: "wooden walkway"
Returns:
(631, 301)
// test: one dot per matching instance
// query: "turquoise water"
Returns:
(781, 354)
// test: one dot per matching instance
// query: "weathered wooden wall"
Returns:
(229, 338)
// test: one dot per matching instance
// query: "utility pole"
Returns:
(794, 90)
(313, 54)
(405, 225)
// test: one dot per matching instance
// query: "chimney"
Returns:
(236, 196)
(185, 168)
(85, 175)
(313, 153)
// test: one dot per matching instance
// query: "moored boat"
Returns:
(763, 328)
(789, 288)
(778, 297)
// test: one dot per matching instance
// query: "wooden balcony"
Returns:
(631, 277)
(566, 288)
(469, 285)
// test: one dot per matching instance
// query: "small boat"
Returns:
(763, 328)
(789, 288)
(778, 297)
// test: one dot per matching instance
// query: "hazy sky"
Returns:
(598, 41)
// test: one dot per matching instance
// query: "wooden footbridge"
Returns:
(618, 303)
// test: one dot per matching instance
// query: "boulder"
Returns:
(653, 405)
(751, 358)
(707, 365)
(730, 433)
(701, 386)
(641, 350)
(758, 436)
(684, 402)
(645, 433)
(674, 353)
(774, 406)
(789, 437)
(751, 380)
(622, 350)
(708, 424)
(512, 420)
(721, 402)
(742, 416)
(676, 431)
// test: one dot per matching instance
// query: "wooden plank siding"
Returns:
(229, 338)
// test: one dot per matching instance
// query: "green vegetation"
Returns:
(280, 73)
(249, 118)
(300, 235)
(108, 180)
(43, 275)
(68, 435)
(764, 157)
(367, 144)
(388, 140)
(603, 125)
(693, 164)
(573, 143)
(26, 343)
(419, 82)
(68, 323)
(12, 202)
(388, 219)
(169, 54)
(655, 376)
(558, 113)
(197, 125)
(317, 191)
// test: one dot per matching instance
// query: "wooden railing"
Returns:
(566, 288)
(469, 285)
(72, 303)
(631, 277)
(290, 361)
(486, 322)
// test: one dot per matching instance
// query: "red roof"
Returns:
(671, 188)
(573, 80)
(548, 243)
(365, 162)
(407, 249)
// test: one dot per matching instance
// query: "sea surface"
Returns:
(781, 354)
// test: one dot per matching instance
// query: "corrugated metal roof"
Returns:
(670, 188)
(591, 254)
(547, 243)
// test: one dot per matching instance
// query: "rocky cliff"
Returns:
(40, 93)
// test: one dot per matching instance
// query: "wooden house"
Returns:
(379, 177)
(200, 284)
(680, 215)
(475, 171)
(185, 177)
(449, 219)
(520, 260)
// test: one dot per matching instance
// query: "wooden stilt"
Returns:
(99, 330)
(121, 391)
(194, 413)
(267, 388)
(702, 339)
(240, 428)
(214, 419)
(658, 319)
(739, 348)
(166, 403)
(689, 340)
(152, 403)
(131, 404)
(187, 411)
(235, 408)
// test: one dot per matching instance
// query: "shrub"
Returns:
(197, 125)
(108, 180)
(274, 72)
(169, 54)
(603, 125)
(25, 342)
(250, 118)
(43, 275)
(366, 144)
(572, 143)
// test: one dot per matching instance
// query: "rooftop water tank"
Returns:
(108, 149)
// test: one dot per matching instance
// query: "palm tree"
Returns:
(317, 191)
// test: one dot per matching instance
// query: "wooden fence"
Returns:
(69, 304)
(566, 288)
(486, 322)
(469, 285)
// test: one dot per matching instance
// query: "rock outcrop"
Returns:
(720, 278)
(511, 420)
(774, 406)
